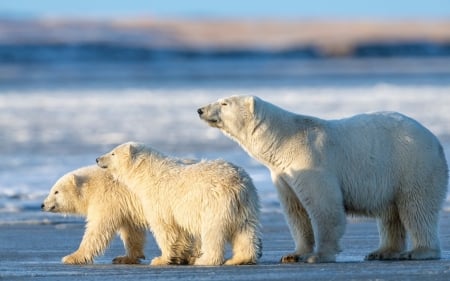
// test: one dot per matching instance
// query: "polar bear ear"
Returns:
(74, 180)
(250, 103)
(77, 181)
(132, 149)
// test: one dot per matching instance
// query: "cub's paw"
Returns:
(159, 261)
(208, 261)
(239, 261)
(126, 260)
(76, 259)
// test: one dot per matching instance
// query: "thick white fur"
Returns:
(109, 208)
(193, 208)
(382, 165)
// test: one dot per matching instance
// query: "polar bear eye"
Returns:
(112, 154)
(56, 192)
(224, 103)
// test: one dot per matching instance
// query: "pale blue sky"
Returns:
(427, 9)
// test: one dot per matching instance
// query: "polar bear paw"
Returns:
(416, 254)
(319, 258)
(290, 258)
(383, 254)
(421, 254)
(208, 261)
(308, 258)
(240, 261)
(159, 261)
(127, 260)
(76, 259)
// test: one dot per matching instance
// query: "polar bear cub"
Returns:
(382, 165)
(109, 207)
(192, 208)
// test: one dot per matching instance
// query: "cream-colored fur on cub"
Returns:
(193, 208)
(383, 165)
(109, 208)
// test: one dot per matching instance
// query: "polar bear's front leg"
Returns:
(320, 194)
(297, 219)
(321, 197)
(96, 238)
(164, 246)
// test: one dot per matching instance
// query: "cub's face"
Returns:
(119, 159)
(64, 195)
(229, 114)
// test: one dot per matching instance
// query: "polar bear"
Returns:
(109, 207)
(383, 165)
(193, 209)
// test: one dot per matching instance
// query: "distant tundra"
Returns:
(383, 165)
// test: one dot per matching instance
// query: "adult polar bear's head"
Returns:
(234, 115)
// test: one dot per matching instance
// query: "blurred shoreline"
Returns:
(123, 53)
(319, 38)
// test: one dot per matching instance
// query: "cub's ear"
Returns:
(77, 181)
(131, 148)
(250, 103)
(134, 148)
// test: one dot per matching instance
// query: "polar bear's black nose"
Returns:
(199, 111)
(96, 160)
(42, 206)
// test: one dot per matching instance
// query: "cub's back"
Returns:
(220, 175)
(111, 194)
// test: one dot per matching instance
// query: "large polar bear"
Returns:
(193, 209)
(382, 165)
(109, 207)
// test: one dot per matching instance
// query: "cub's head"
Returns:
(230, 115)
(121, 158)
(65, 195)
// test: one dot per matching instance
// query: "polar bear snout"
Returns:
(209, 116)
(203, 114)
(48, 208)
(101, 163)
